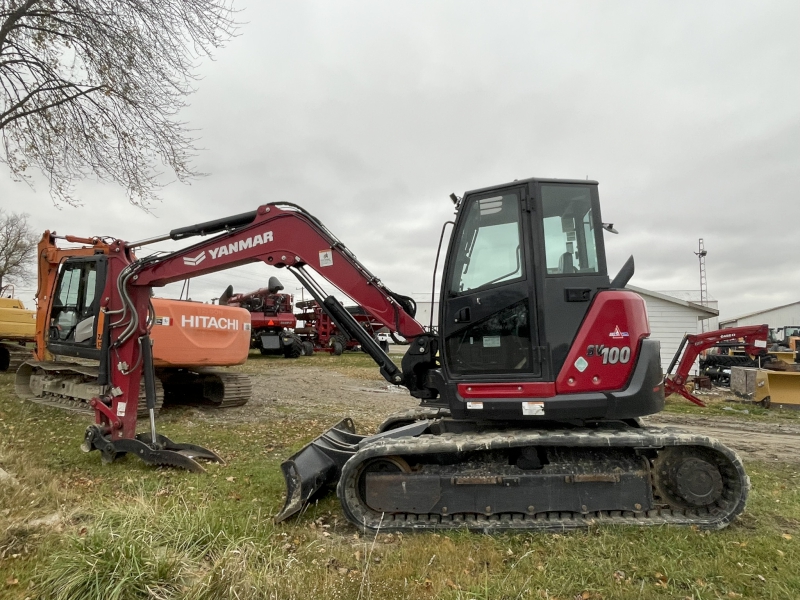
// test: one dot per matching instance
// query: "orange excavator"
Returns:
(530, 389)
(190, 339)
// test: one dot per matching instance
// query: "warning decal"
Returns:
(326, 258)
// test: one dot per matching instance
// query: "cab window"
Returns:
(489, 250)
(73, 299)
(569, 230)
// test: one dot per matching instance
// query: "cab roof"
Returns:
(517, 182)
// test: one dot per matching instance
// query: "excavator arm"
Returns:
(753, 338)
(279, 235)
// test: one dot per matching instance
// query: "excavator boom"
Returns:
(282, 235)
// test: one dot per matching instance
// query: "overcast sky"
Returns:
(369, 114)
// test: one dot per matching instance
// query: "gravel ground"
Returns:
(319, 394)
(751, 439)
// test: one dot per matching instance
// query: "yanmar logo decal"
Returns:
(193, 262)
(232, 248)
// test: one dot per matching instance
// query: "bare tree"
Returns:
(17, 248)
(94, 88)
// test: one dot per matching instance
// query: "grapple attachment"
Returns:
(163, 452)
(317, 465)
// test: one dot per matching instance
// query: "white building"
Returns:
(672, 317)
(693, 297)
(780, 316)
(424, 312)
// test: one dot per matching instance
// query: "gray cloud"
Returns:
(370, 114)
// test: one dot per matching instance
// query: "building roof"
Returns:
(759, 312)
(711, 312)
(688, 295)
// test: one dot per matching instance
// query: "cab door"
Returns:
(571, 261)
(487, 318)
(75, 307)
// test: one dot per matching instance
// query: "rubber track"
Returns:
(238, 388)
(730, 505)
(79, 404)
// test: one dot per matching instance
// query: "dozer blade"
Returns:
(165, 452)
(318, 464)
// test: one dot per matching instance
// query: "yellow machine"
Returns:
(17, 328)
(780, 389)
(783, 355)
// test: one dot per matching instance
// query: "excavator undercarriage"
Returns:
(558, 479)
(72, 386)
(68, 385)
(440, 473)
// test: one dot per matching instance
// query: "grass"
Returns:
(73, 528)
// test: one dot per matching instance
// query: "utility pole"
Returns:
(701, 255)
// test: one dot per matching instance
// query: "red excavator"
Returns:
(530, 389)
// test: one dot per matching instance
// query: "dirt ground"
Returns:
(326, 396)
(751, 439)
(315, 393)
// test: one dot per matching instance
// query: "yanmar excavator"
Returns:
(530, 390)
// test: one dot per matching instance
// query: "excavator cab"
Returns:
(524, 263)
(524, 268)
(73, 323)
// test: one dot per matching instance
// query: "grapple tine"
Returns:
(191, 450)
(154, 456)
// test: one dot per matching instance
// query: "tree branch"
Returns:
(4, 120)
(94, 87)
(13, 18)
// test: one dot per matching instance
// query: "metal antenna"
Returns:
(701, 255)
